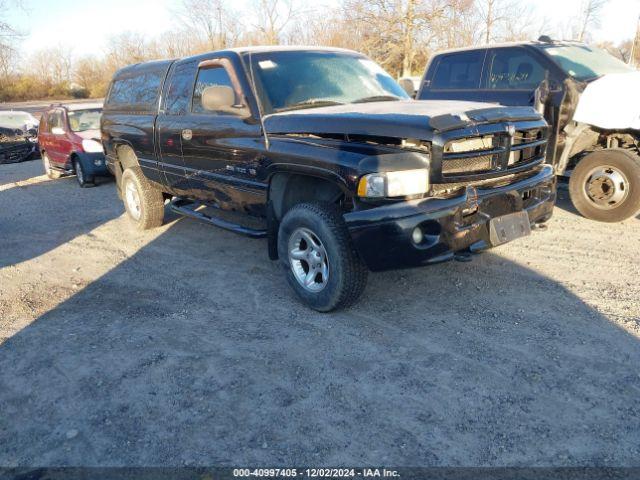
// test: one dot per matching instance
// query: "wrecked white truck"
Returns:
(590, 99)
(18, 136)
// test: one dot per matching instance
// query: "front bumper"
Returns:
(94, 163)
(383, 235)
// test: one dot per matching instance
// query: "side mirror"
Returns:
(408, 86)
(540, 96)
(218, 98)
(57, 131)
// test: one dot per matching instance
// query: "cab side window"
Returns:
(459, 71)
(209, 77)
(513, 69)
(56, 120)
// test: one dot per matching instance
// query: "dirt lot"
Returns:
(183, 346)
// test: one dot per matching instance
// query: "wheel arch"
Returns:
(290, 188)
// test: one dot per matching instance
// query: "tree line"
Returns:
(399, 34)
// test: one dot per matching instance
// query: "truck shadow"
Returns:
(29, 200)
(193, 351)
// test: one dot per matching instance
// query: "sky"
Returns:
(86, 25)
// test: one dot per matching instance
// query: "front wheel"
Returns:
(605, 185)
(84, 179)
(144, 203)
(318, 258)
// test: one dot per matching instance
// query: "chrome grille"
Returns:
(468, 165)
(493, 153)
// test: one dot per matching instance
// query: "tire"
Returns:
(605, 185)
(340, 275)
(46, 163)
(84, 180)
(137, 190)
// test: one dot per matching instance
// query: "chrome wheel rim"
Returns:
(133, 200)
(79, 173)
(309, 260)
(606, 187)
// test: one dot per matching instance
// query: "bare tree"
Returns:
(274, 17)
(394, 32)
(590, 16)
(8, 35)
(210, 19)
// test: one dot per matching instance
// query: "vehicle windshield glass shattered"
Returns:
(586, 63)
(17, 120)
(291, 80)
(81, 120)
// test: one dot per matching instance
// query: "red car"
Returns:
(69, 138)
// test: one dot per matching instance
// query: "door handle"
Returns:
(187, 134)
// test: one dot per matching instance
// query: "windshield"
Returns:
(585, 63)
(302, 79)
(81, 120)
(17, 120)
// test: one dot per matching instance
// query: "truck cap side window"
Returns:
(513, 69)
(135, 92)
(216, 76)
(459, 71)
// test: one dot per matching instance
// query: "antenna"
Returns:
(258, 101)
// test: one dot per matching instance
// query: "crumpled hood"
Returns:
(89, 134)
(611, 102)
(12, 135)
(399, 119)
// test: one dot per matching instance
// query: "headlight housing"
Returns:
(91, 146)
(404, 183)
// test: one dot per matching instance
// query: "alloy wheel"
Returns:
(133, 200)
(309, 260)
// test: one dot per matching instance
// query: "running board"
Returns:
(188, 209)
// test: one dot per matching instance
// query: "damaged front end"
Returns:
(16, 145)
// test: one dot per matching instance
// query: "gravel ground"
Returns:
(184, 346)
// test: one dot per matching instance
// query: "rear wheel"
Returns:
(50, 172)
(318, 258)
(84, 180)
(605, 185)
(144, 203)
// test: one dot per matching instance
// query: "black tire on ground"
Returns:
(625, 162)
(52, 174)
(347, 274)
(137, 190)
(84, 180)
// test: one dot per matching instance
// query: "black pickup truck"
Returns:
(322, 152)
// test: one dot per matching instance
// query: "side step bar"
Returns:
(188, 209)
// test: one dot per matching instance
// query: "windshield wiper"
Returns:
(314, 102)
(378, 98)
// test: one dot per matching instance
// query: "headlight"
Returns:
(91, 146)
(394, 184)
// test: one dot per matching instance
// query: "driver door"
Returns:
(58, 144)
(222, 147)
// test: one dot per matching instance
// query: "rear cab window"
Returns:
(458, 71)
(512, 69)
(179, 88)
